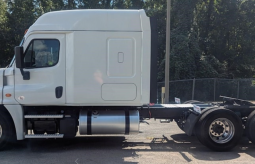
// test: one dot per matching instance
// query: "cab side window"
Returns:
(42, 53)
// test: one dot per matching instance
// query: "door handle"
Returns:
(59, 92)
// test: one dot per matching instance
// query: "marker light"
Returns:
(8, 95)
(26, 31)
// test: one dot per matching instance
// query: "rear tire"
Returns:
(7, 133)
(250, 127)
(219, 129)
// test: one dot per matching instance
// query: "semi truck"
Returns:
(91, 72)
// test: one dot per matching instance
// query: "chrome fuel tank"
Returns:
(108, 122)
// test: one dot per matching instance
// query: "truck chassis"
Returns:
(219, 126)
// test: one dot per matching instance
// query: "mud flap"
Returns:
(192, 119)
(190, 123)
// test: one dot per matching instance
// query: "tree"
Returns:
(225, 32)
(157, 8)
(20, 15)
(3, 33)
(44, 6)
(209, 38)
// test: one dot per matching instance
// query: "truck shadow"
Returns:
(202, 153)
(190, 145)
(116, 149)
(184, 145)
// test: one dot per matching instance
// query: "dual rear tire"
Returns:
(219, 129)
(250, 127)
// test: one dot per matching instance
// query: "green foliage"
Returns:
(157, 8)
(225, 31)
(209, 38)
(45, 6)
(3, 30)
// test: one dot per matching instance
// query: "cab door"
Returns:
(45, 60)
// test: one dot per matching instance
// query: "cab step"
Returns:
(45, 116)
(44, 136)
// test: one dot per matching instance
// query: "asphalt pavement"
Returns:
(156, 143)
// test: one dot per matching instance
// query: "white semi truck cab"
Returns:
(94, 72)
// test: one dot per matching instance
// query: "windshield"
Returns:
(13, 59)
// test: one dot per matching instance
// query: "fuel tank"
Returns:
(108, 122)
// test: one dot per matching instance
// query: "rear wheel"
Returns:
(7, 133)
(219, 129)
(250, 127)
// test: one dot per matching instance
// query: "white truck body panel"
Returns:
(105, 60)
(1, 85)
(90, 20)
(40, 89)
(17, 114)
(105, 68)
(8, 87)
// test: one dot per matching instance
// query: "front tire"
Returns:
(7, 133)
(219, 129)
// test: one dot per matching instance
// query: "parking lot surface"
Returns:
(156, 143)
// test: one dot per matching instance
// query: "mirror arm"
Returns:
(25, 74)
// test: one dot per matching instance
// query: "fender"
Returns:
(17, 115)
(192, 120)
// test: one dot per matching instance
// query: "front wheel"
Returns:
(6, 130)
(219, 129)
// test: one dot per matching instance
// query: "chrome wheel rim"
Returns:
(1, 131)
(221, 130)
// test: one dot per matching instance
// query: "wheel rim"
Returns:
(1, 131)
(221, 130)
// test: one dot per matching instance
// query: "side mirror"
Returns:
(19, 57)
